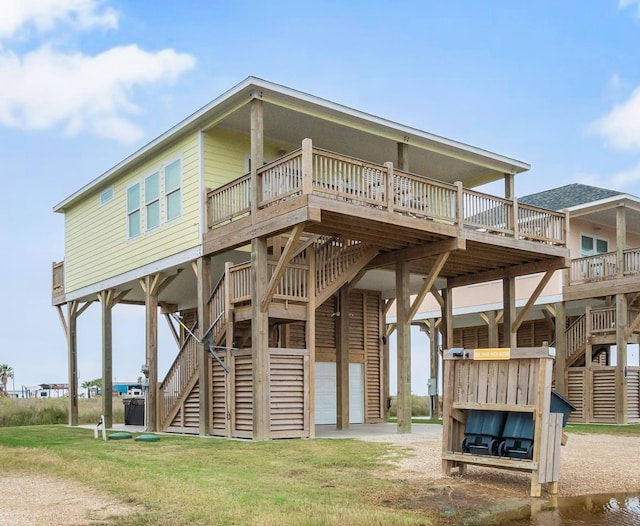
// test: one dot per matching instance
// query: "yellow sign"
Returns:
(491, 354)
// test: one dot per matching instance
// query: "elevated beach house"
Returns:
(589, 311)
(278, 228)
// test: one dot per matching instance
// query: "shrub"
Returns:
(37, 411)
(419, 406)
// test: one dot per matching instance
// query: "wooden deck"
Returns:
(395, 211)
(603, 274)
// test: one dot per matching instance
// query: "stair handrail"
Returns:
(575, 335)
(187, 356)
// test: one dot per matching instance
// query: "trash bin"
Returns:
(482, 432)
(517, 436)
(133, 410)
(559, 404)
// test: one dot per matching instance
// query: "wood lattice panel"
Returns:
(604, 395)
(219, 396)
(242, 416)
(633, 390)
(373, 358)
(576, 393)
(288, 381)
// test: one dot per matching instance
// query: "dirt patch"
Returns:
(589, 464)
(34, 499)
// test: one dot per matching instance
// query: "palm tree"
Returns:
(87, 385)
(6, 372)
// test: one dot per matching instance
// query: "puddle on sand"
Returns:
(612, 509)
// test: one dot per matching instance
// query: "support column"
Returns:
(403, 156)
(260, 339)
(311, 341)
(509, 186)
(434, 364)
(560, 372)
(446, 328)
(622, 409)
(72, 347)
(150, 287)
(204, 371)
(491, 319)
(342, 359)
(621, 239)
(105, 298)
(403, 306)
(622, 322)
(509, 303)
(257, 152)
(388, 331)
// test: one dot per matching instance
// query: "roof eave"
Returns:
(250, 84)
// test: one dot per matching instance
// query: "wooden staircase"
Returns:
(337, 262)
(600, 326)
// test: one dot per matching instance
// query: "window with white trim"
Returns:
(152, 200)
(590, 246)
(106, 196)
(133, 210)
(173, 190)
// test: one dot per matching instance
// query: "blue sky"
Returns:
(84, 83)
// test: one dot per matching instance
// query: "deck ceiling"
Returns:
(288, 127)
(487, 254)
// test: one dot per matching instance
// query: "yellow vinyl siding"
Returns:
(97, 242)
(224, 154)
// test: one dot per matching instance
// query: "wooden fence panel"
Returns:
(219, 405)
(604, 395)
(242, 416)
(576, 393)
(289, 392)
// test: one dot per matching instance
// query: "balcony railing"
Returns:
(603, 267)
(57, 283)
(330, 175)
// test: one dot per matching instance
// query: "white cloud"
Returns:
(45, 87)
(622, 180)
(621, 126)
(44, 15)
(591, 179)
(623, 4)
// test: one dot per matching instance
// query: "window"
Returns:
(590, 246)
(106, 196)
(172, 190)
(152, 200)
(133, 210)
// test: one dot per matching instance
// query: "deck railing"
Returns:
(603, 267)
(603, 320)
(57, 283)
(293, 284)
(180, 373)
(327, 174)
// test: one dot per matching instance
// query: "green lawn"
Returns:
(191, 480)
(604, 429)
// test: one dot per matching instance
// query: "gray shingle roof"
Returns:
(568, 196)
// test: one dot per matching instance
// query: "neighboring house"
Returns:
(590, 312)
(280, 226)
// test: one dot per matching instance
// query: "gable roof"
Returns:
(232, 108)
(568, 196)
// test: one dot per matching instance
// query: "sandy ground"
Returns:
(40, 500)
(589, 464)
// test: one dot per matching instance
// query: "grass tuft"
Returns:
(191, 480)
(44, 411)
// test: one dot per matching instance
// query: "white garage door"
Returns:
(325, 393)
